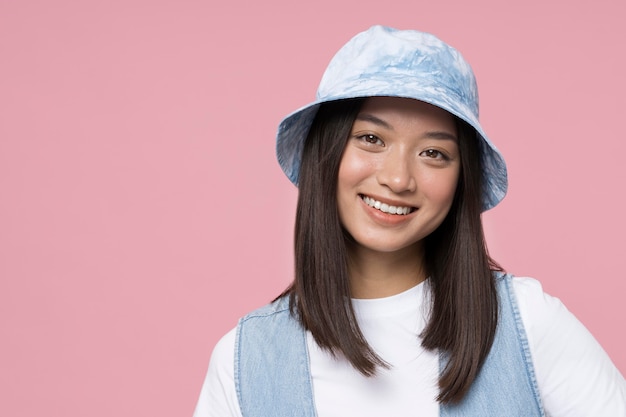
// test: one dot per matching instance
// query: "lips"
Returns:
(387, 208)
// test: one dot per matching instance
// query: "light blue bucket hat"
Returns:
(383, 61)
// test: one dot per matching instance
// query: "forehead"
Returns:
(398, 110)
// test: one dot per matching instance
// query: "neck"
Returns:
(383, 274)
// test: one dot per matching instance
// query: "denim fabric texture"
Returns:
(272, 375)
(383, 61)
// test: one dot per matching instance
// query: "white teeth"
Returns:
(386, 208)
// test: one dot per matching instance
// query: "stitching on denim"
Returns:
(523, 339)
(237, 368)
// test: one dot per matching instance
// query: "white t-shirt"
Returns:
(574, 374)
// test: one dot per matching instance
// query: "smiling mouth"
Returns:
(386, 208)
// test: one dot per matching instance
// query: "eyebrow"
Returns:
(373, 119)
(436, 134)
(441, 135)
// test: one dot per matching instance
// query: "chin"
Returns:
(381, 246)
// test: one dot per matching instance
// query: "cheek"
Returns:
(440, 186)
(353, 168)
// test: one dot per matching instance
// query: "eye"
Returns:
(371, 139)
(434, 154)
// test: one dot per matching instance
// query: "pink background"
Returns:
(142, 210)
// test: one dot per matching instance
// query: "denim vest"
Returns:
(272, 375)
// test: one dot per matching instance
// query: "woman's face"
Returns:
(398, 173)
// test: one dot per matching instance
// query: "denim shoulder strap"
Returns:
(272, 376)
(506, 384)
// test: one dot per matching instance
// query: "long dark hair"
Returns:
(464, 310)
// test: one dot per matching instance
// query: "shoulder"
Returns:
(223, 353)
(218, 396)
(265, 322)
(534, 303)
(221, 369)
(538, 310)
(544, 315)
(574, 374)
(531, 290)
(549, 325)
(278, 307)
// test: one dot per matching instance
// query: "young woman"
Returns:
(396, 308)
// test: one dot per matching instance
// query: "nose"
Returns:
(396, 171)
